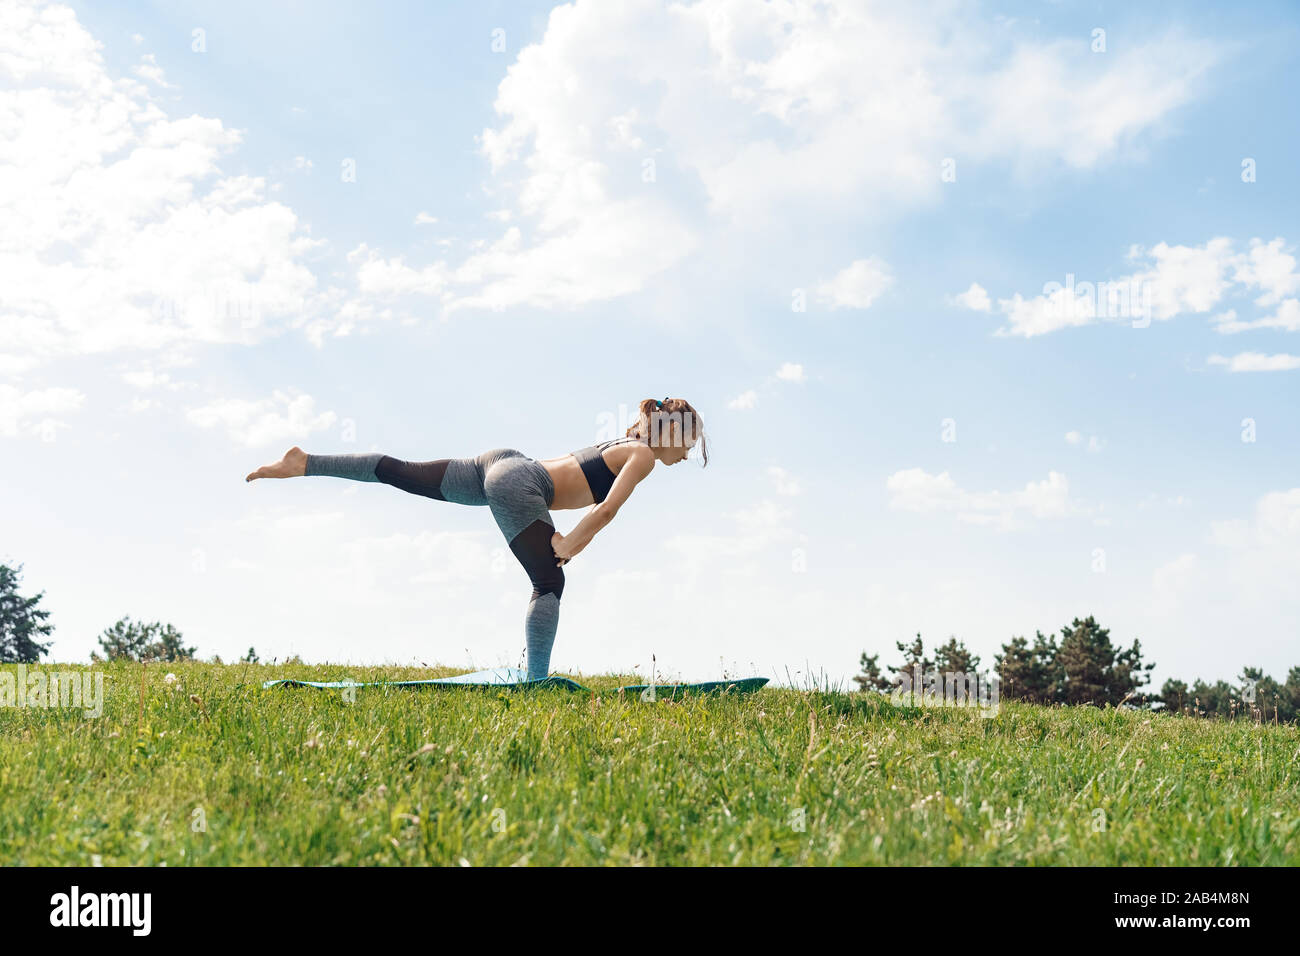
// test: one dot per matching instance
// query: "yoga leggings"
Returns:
(519, 492)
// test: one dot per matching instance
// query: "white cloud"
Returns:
(791, 372)
(918, 491)
(975, 298)
(284, 417)
(1286, 318)
(303, 163)
(733, 551)
(744, 401)
(1271, 268)
(1173, 582)
(634, 135)
(149, 70)
(385, 278)
(857, 285)
(422, 218)
(31, 412)
(786, 484)
(1094, 443)
(147, 378)
(120, 230)
(1257, 362)
(1260, 556)
(1176, 280)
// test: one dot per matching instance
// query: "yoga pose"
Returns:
(521, 493)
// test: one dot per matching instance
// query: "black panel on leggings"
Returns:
(532, 547)
(417, 477)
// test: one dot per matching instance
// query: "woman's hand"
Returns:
(563, 551)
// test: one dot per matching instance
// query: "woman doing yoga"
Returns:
(521, 493)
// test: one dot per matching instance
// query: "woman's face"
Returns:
(677, 450)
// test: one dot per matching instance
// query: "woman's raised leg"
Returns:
(448, 479)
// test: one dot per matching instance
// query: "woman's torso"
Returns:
(572, 488)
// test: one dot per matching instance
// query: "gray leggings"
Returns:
(519, 492)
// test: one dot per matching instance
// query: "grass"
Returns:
(221, 772)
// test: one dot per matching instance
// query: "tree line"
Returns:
(24, 624)
(1085, 668)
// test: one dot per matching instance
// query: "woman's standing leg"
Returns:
(519, 492)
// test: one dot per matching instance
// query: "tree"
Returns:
(954, 658)
(137, 641)
(913, 658)
(1094, 672)
(871, 678)
(1030, 673)
(1174, 695)
(21, 621)
(252, 658)
(1213, 700)
(1291, 692)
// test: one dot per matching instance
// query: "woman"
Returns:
(521, 493)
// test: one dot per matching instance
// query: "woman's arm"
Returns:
(639, 463)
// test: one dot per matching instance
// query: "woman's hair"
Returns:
(657, 416)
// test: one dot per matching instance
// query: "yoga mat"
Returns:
(514, 677)
(497, 677)
(677, 691)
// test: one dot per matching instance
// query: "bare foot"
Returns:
(292, 465)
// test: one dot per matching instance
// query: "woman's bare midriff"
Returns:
(571, 488)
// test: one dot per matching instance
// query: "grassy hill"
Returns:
(219, 771)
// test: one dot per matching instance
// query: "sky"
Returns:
(863, 239)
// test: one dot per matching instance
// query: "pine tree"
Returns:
(913, 658)
(1174, 695)
(871, 678)
(955, 658)
(1030, 673)
(1094, 672)
(21, 621)
(137, 641)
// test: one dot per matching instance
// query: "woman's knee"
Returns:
(549, 581)
(532, 548)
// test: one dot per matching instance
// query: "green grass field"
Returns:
(222, 772)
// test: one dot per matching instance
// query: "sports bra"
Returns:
(600, 478)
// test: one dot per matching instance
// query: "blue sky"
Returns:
(632, 200)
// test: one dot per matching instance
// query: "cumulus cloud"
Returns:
(762, 528)
(974, 298)
(791, 372)
(786, 484)
(856, 286)
(1173, 581)
(284, 417)
(918, 491)
(1256, 362)
(1172, 281)
(744, 401)
(1094, 443)
(120, 229)
(1261, 553)
(633, 136)
(149, 69)
(33, 412)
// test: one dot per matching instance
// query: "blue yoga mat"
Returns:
(497, 677)
(513, 677)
